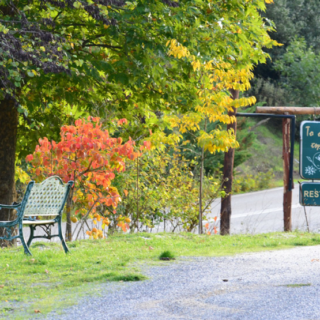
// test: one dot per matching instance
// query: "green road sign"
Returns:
(310, 194)
(310, 150)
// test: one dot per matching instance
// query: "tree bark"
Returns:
(225, 212)
(201, 183)
(201, 191)
(287, 195)
(8, 141)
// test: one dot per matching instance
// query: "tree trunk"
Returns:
(201, 183)
(137, 184)
(8, 141)
(225, 212)
(201, 191)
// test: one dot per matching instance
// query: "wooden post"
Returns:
(287, 195)
(289, 110)
(225, 212)
(68, 234)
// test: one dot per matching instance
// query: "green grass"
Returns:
(167, 255)
(51, 280)
(298, 285)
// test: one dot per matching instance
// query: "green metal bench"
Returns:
(44, 200)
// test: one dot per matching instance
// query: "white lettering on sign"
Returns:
(311, 194)
(315, 146)
(309, 133)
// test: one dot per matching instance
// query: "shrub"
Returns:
(248, 182)
(90, 157)
(160, 186)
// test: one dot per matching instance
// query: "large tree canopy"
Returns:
(110, 57)
(85, 52)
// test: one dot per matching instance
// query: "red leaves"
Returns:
(124, 226)
(78, 123)
(146, 145)
(45, 144)
(59, 153)
(212, 228)
(122, 121)
(89, 156)
(29, 158)
(108, 202)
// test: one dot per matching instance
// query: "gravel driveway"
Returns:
(269, 285)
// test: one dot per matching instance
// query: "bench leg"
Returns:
(31, 234)
(26, 249)
(65, 247)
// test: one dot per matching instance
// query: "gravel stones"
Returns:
(257, 288)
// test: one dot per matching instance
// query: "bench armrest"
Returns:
(13, 206)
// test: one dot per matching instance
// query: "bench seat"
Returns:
(38, 222)
(44, 200)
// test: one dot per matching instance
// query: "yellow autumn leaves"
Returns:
(177, 50)
(214, 79)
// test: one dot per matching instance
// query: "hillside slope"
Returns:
(266, 159)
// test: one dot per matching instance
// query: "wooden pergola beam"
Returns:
(289, 110)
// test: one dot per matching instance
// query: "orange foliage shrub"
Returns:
(90, 157)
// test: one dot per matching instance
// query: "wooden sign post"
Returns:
(287, 153)
(304, 160)
(287, 192)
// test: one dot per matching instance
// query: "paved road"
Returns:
(259, 212)
(262, 211)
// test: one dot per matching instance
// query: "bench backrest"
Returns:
(47, 198)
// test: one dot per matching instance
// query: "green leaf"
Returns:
(77, 4)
